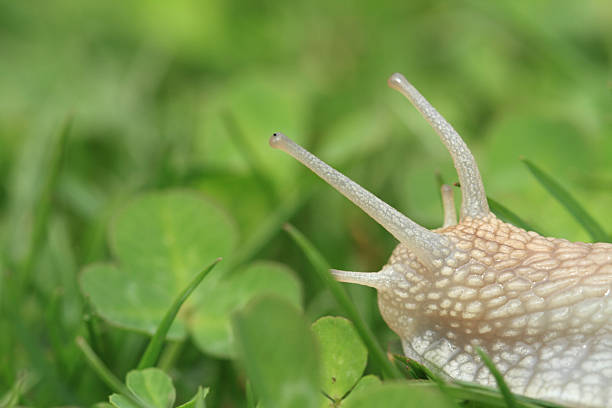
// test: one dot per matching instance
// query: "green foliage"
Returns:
(160, 240)
(321, 268)
(155, 345)
(507, 215)
(400, 395)
(211, 326)
(342, 354)
(152, 388)
(198, 400)
(278, 351)
(569, 202)
(363, 387)
(163, 166)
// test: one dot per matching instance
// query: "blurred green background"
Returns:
(185, 94)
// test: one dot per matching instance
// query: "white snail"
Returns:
(540, 307)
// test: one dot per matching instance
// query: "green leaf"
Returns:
(151, 387)
(161, 241)
(278, 351)
(321, 268)
(128, 302)
(155, 345)
(103, 404)
(400, 395)
(211, 326)
(121, 401)
(343, 355)
(363, 386)
(169, 236)
(569, 202)
(198, 400)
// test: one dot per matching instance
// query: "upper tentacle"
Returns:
(474, 199)
(426, 244)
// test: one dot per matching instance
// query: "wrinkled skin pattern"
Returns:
(540, 307)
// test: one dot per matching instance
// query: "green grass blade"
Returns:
(414, 370)
(55, 331)
(480, 396)
(250, 396)
(22, 386)
(100, 368)
(569, 202)
(250, 155)
(155, 345)
(388, 369)
(171, 353)
(507, 215)
(492, 397)
(43, 209)
(499, 379)
(420, 371)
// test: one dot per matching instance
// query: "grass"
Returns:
(184, 95)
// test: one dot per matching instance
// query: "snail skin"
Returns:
(539, 307)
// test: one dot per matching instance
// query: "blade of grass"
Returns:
(149, 358)
(250, 396)
(31, 341)
(569, 202)
(416, 370)
(419, 369)
(168, 357)
(43, 209)
(478, 395)
(101, 370)
(388, 369)
(499, 379)
(491, 396)
(23, 384)
(250, 155)
(93, 331)
(55, 328)
(507, 215)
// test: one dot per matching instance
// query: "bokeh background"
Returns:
(185, 94)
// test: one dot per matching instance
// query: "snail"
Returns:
(539, 307)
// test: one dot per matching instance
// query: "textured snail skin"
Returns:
(539, 307)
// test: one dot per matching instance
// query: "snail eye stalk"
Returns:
(426, 244)
(474, 199)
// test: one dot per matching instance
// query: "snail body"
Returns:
(540, 307)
